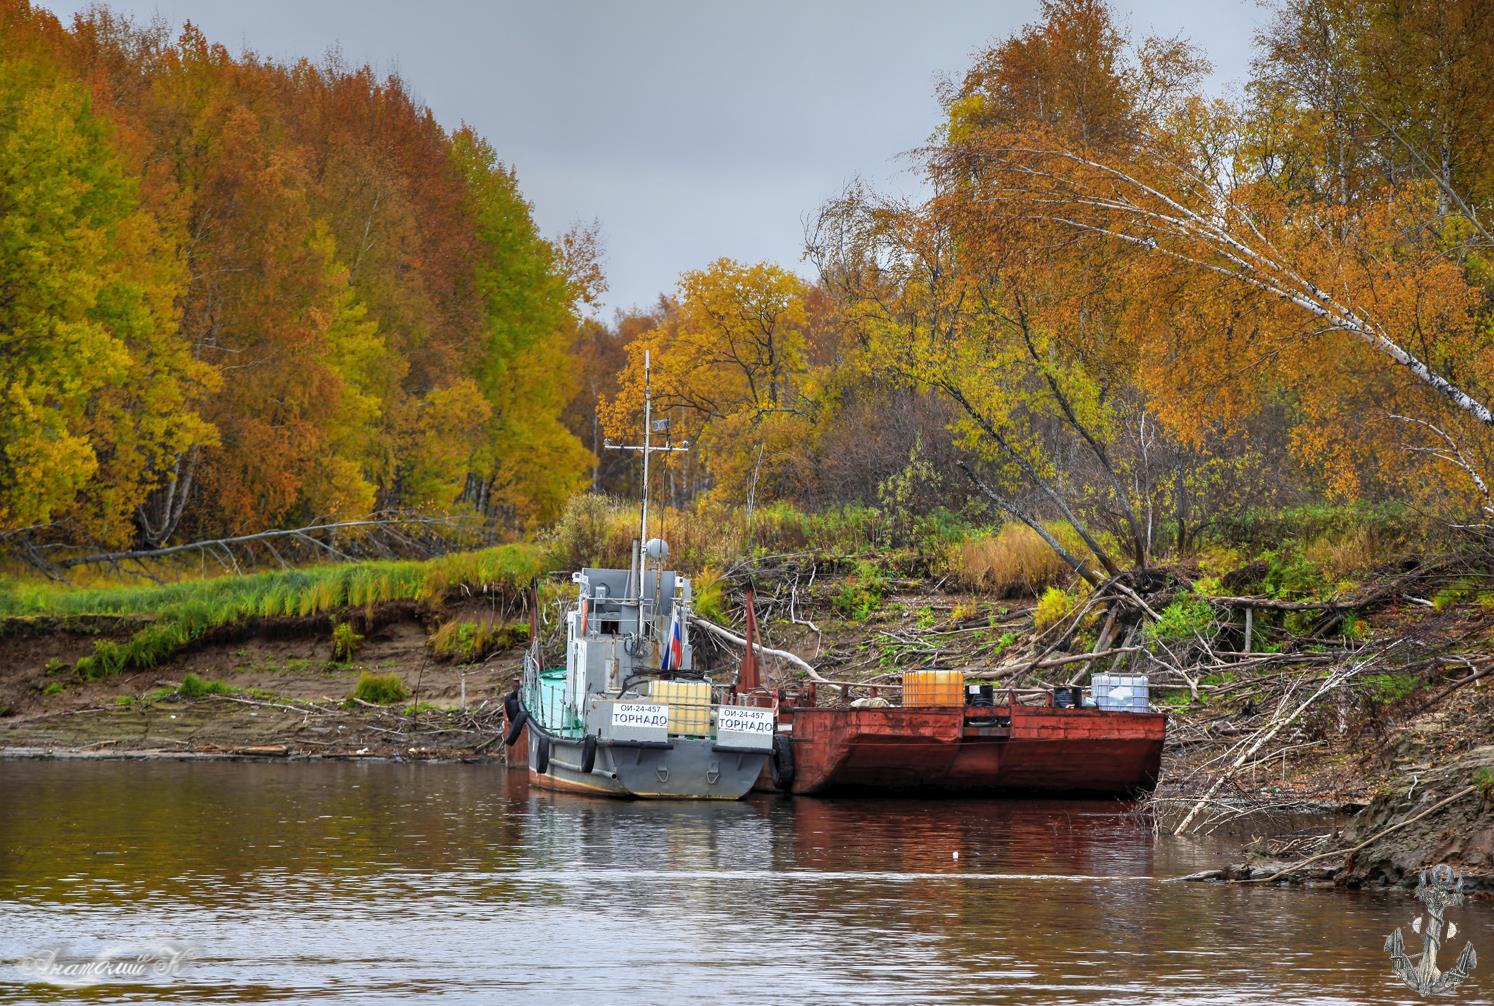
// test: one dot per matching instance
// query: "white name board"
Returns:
(744, 720)
(640, 714)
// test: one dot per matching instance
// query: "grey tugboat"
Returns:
(628, 715)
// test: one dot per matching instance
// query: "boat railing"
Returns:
(529, 677)
(544, 697)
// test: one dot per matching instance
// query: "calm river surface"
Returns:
(370, 883)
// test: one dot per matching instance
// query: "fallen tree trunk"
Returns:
(1477, 675)
(736, 640)
(1072, 658)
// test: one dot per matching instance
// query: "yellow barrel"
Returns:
(689, 705)
(933, 688)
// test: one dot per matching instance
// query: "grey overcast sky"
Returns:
(687, 130)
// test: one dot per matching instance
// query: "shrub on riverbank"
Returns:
(1322, 547)
(345, 642)
(468, 640)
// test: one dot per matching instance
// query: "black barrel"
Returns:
(1068, 698)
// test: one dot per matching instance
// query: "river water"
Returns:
(370, 883)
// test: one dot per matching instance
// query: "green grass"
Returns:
(1172, 698)
(1002, 643)
(1355, 629)
(710, 596)
(194, 687)
(265, 694)
(1454, 594)
(1053, 606)
(380, 689)
(184, 611)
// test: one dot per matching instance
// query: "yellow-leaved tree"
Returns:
(97, 387)
(731, 373)
(527, 463)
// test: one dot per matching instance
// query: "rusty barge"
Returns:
(1057, 742)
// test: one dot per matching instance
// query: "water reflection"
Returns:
(369, 882)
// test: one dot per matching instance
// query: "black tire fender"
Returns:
(781, 762)
(515, 727)
(588, 754)
(542, 755)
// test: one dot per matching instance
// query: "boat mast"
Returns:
(648, 416)
(637, 564)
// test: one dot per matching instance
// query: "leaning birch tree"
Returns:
(1372, 312)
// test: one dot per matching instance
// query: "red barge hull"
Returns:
(1011, 749)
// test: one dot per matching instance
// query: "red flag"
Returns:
(747, 677)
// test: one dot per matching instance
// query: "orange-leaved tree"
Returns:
(1023, 328)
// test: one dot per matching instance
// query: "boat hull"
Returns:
(686, 769)
(1016, 750)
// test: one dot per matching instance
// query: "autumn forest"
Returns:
(237, 294)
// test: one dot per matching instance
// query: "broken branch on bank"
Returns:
(728, 636)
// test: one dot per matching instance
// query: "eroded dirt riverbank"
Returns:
(276, 691)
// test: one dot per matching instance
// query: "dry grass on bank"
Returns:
(1015, 561)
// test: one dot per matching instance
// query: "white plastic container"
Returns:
(1121, 693)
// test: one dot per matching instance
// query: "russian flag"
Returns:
(674, 650)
